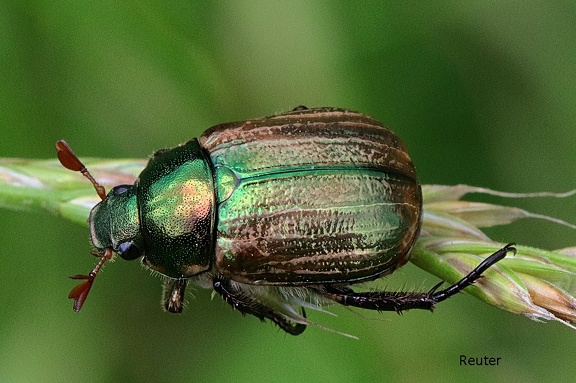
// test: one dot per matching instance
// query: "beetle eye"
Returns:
(121, 189)
(129, 251)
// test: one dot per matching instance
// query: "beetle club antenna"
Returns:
(71, 161)
(80, 292)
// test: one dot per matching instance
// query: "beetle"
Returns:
(276, 214)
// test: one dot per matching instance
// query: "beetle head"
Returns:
(113, 224)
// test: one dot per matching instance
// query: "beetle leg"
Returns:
(246, 304)
(404, 300)
(173, 294)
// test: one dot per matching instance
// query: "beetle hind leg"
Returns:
(401, 300)
(246, 304)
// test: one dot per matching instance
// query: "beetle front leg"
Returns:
(406, 300)
(244, 303)
(173, 295)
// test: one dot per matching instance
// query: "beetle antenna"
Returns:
(80, 292)
(71, 161)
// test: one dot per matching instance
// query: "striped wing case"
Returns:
(310, 197)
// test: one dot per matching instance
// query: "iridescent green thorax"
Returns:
(176, 202)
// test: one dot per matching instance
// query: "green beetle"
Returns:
(275, 214)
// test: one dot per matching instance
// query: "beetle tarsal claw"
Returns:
(475, 274)
(434, 288)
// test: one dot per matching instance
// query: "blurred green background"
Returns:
(483, 93)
